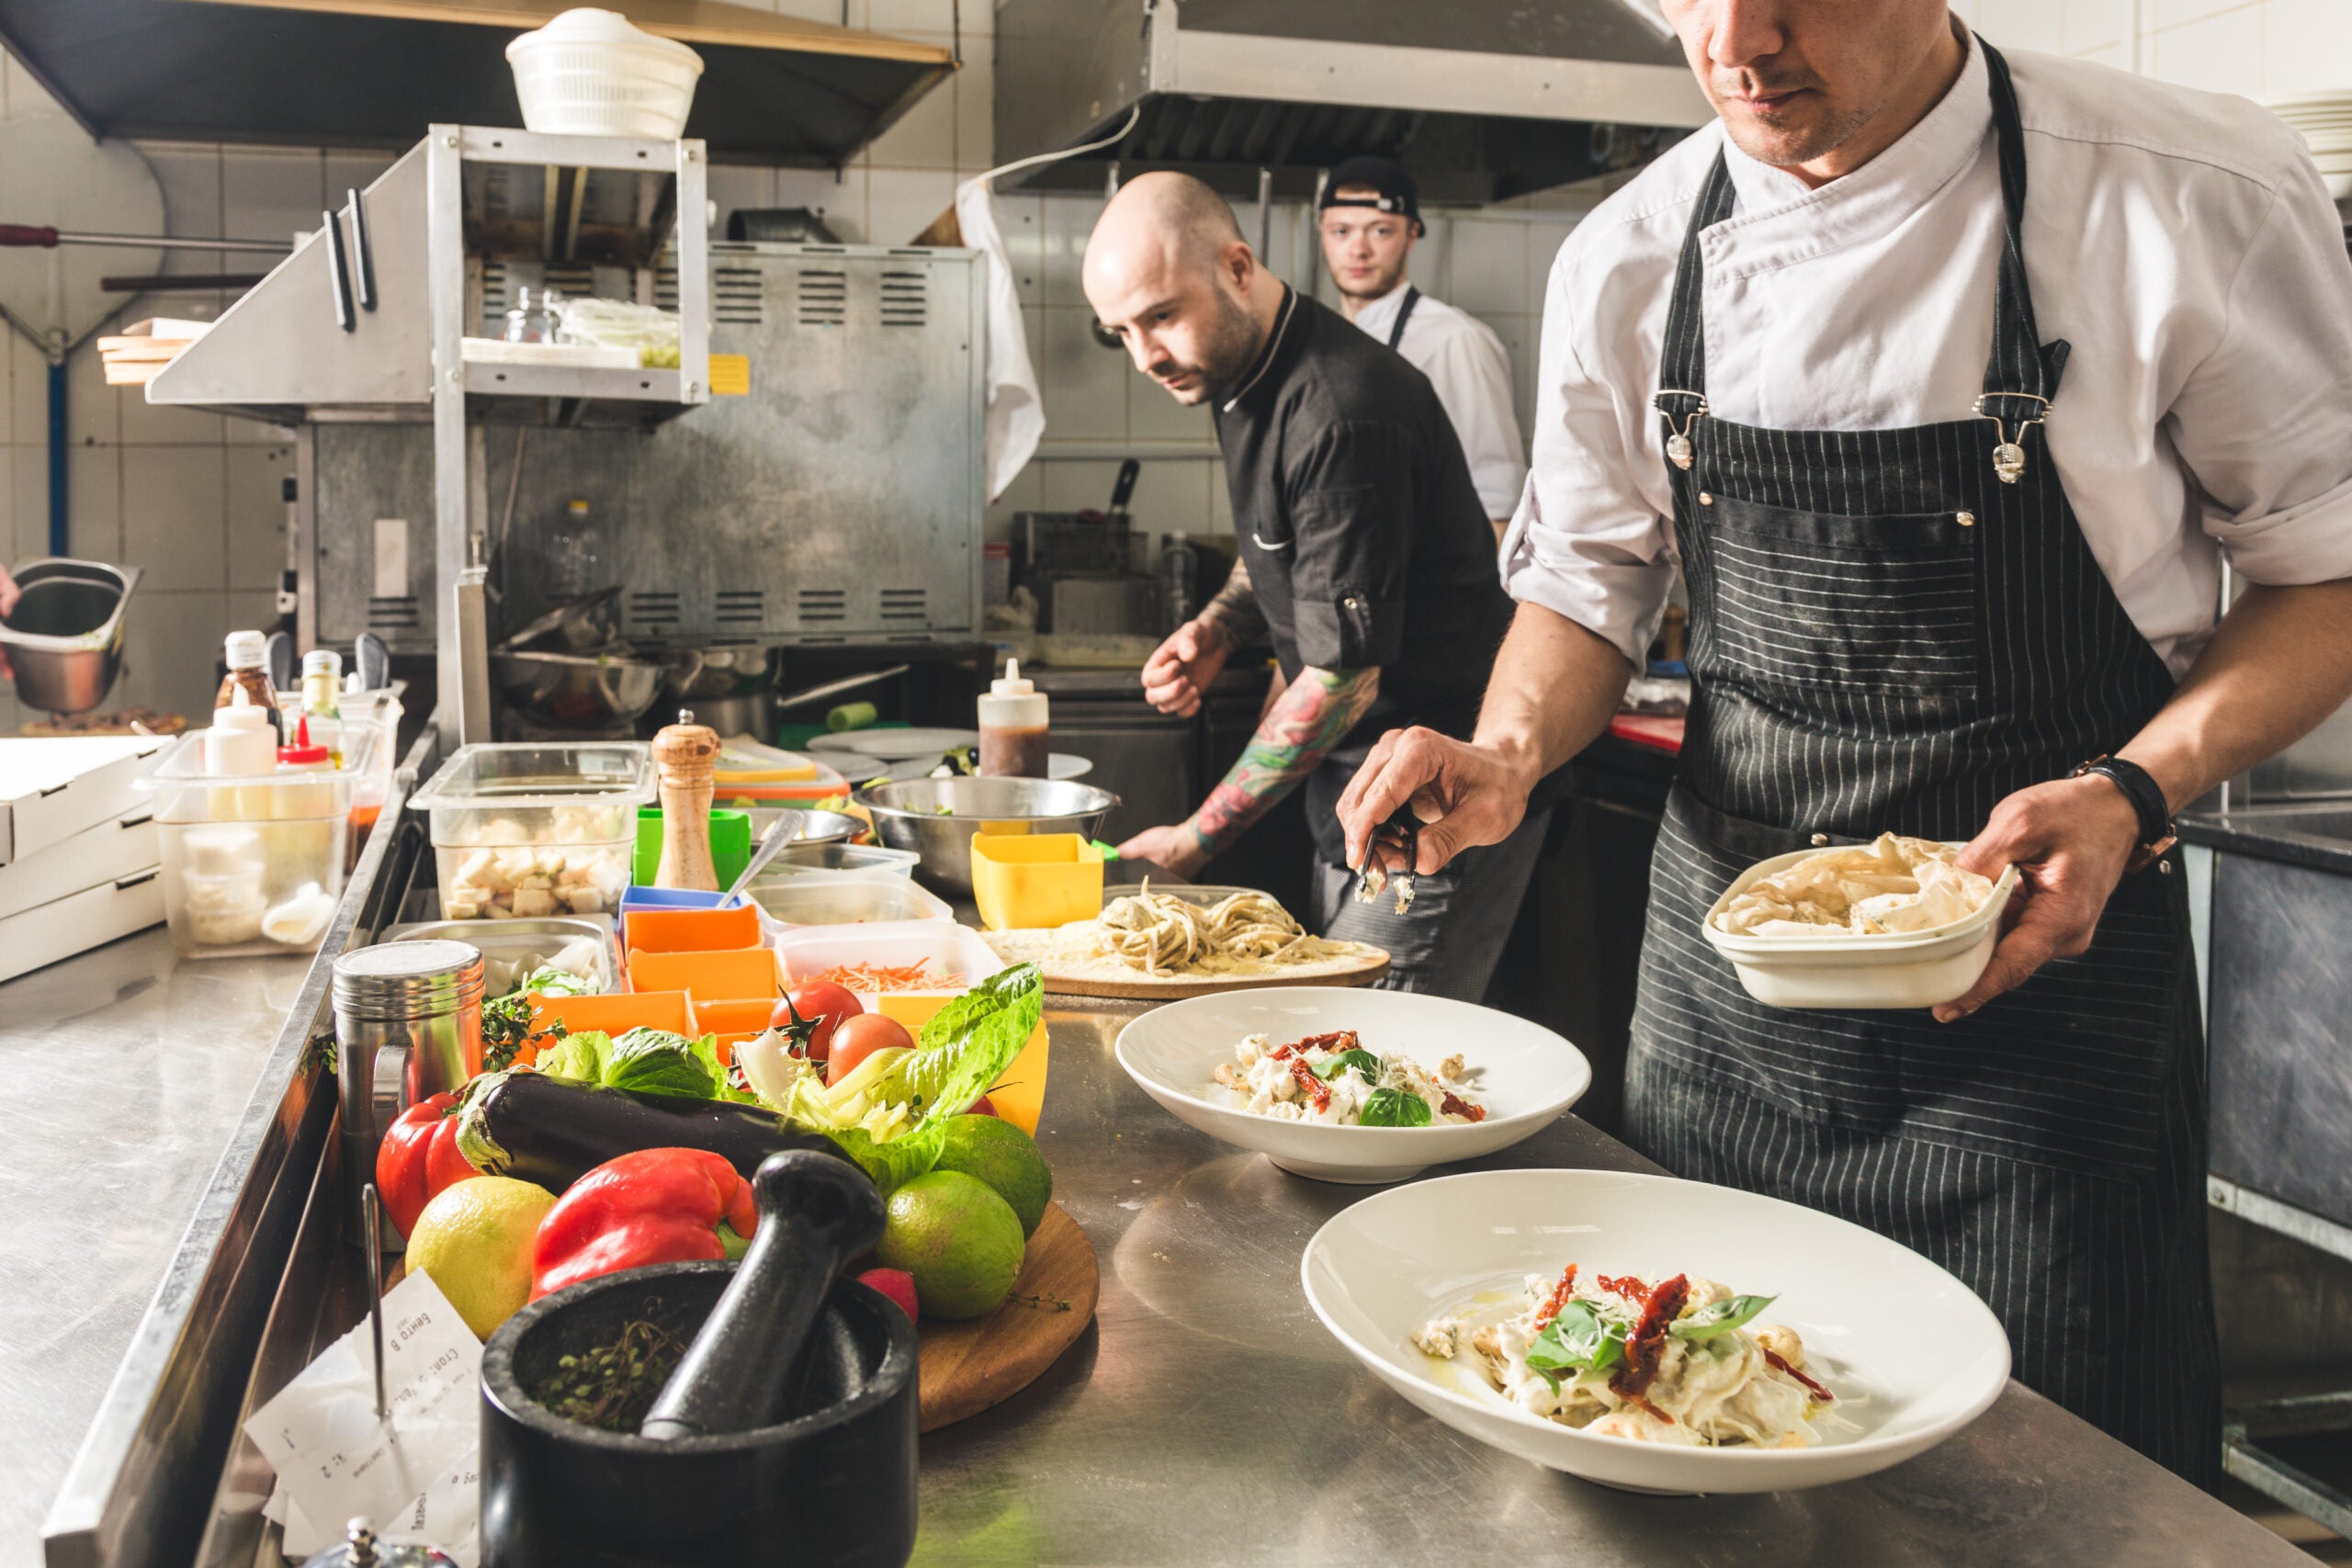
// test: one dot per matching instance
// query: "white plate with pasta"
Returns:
(1511, 1080)
(1163, 943)
(1900, 1353)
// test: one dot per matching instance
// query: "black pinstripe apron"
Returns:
(1886, 633)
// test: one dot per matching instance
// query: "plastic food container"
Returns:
(806, 903)
(589, 73)
(954, 955)
(691, 930)
(748, 972)
(816, 863)
(1909, 969)
(1028, 880)
(614, 1015)
(510, 950)
(250, 865)
(526, 830)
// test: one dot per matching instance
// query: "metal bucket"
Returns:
(64, 637)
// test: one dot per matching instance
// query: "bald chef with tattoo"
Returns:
(1366, 557)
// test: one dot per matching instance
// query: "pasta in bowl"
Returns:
(1512, 1078)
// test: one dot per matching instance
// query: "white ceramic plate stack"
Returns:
(1524, 1074)
(1910, 1352)
(2324, 121)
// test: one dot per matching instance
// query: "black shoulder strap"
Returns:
(1403, 314)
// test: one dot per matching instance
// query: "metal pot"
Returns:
(586, 689)
(908, 815)
(64, 637)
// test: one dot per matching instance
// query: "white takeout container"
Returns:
(1839, 969)
(1524, 1074)
(1911, 1352)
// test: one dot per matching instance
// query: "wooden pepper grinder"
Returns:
(686, 757)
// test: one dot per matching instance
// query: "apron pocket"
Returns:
(1885, 603)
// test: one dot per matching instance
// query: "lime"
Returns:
(475, 1240)
(960, 1241)
(1005, 1157)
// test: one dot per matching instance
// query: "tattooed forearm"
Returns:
(1233, 611)
(1312, 717)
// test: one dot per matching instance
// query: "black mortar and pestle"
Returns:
(786, 1435)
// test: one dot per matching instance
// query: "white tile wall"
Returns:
(193, 498)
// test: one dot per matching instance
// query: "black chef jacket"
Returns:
(1365, 539)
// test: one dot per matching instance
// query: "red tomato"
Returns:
(859, 1038)
(983, 1106)
(820, 1003)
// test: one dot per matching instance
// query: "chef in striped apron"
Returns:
(1946, 381)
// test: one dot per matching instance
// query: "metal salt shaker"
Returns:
(407, 1026)
(360, 1549)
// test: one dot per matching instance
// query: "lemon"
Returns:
(1001, 1155)
(475, 1240)
(960, 1241)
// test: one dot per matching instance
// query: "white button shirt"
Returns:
(2181, 241)
(1470, 370)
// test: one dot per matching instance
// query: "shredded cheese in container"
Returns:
(1890, 886)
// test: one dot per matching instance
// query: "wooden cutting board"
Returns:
(1175, 987)
(966, 1367)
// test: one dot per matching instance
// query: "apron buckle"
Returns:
(2008, 456)
(1679, 450)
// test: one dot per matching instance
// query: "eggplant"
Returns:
(554, 1131)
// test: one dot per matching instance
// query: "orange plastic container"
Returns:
(744, 973)
(734, 1021)
(692, 930)
(615, 1014)
(1019, 1095)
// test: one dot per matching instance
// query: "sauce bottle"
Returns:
(1012, 726)
(247, 656)
(322, 700)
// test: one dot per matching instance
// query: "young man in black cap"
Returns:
(1371, 216)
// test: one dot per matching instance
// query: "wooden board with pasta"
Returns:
(1161, 944)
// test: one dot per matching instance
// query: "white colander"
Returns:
(590, 72)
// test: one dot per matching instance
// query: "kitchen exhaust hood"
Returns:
(375, 73)
(1482, 99)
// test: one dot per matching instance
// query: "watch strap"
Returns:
(2146, 796)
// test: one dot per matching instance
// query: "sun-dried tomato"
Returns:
(1646, 1344)
(1454, 1105)
(1306, 1078)
(1558, 1299)
(1625, 1285)
(1345, 1038)
(1820, 1395)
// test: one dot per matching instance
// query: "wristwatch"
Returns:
(2147, 798)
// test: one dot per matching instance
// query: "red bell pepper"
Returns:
(419, 1158)
(653, 1206)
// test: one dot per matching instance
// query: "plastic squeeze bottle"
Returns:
(1012, 726)
(247, 656)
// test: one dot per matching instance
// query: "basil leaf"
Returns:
(1577, 1339)
(1395, 1108)
(1363, 1062)
(1721, 1317)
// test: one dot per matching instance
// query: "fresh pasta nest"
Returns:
(1892, 884)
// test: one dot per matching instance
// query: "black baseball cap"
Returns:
(1385, 176)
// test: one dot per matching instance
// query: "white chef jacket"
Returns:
(2182, 242)
(1470, 370)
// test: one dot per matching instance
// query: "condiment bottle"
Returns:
(323, 699)
(685, 755)
(1012, 726)
(247, 655)
(240, 744)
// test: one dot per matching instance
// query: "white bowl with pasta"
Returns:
(1909, 1352)
(1522, 1074)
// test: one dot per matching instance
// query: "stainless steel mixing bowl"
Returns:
(577, 688)
(907, 816)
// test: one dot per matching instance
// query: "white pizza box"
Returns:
(48, 932)
(126, 845)
(53, 788)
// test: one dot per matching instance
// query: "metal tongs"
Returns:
(1399, 836)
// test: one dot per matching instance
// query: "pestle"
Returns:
(816, 1213)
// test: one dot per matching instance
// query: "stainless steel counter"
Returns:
(122, 1073)
(1209, 1419)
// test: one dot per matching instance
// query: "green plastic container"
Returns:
(730, 845)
